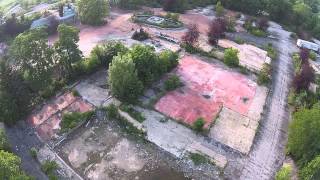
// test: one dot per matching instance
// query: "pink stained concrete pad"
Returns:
(207, 88)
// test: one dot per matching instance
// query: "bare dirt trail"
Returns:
(268, 153)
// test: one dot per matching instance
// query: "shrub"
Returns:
(303, 79)
(140, 35)
(272, 53)
(219, 9)
(199, 124)
(231, 58)
(264, 75)
(190, 49)
(311, 171)
(167, 61)
(258, 33)
(217, 29)
(284, 173)
(75, 93)
(108, 50)
(172, 83)
(49, 167)
(33, 152)
(4, 144)
(71, 120)
(173, 16)
(313, 56)
(198, 159)
(112, 111)
(303, 131)
(239, 40)
(191, 37)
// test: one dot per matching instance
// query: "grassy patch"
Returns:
(49, 168)
(199, 124)
(198, 159)
(71, 120)
(113, 112)
(172, 83)
(272, 53)
(284, 173)
(132, 112)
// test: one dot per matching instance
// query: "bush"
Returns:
(108, 50)
(311, 171)
(272, 53)
(239, 40)
(313, 56)
(198, 159)
(49, 167)
(264, 75)
(71, 120)
(199, 124)
(258, 33)
(140, 35)
(167, 61)
(75, 93)
(231, 58)
(133, 113)
(112, 111)
(33, 152)
(190, 48)
(4, 144)
(172, 83)
(173, 16)
(284, 173)
(303, 131)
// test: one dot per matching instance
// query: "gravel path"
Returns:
(268, 153)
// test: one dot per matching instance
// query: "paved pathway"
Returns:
(268, 153)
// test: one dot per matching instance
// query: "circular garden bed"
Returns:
(158, 21)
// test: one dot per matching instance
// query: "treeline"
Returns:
(301, 16)
(304, 131)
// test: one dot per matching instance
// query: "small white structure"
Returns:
(308, 45)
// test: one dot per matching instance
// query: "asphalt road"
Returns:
(268, 152)
(22, 139)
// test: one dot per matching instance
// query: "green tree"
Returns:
(231, 58)
(93, 12)
(303, 131)
(31, 52)
(219, 9)
(107, 51)
(311, 171)
(167, 61)
(66, 49)
(10, 166)
(302, 12)
(123, 79)
(145, 60)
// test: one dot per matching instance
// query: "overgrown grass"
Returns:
(284, 173)
(49, 167)
(272, 53)
(113, 113)
(132, 112)
(198, 159)
(71, 120)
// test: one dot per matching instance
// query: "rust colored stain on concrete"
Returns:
(207, 88)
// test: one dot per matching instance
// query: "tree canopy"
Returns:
(93, 12)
